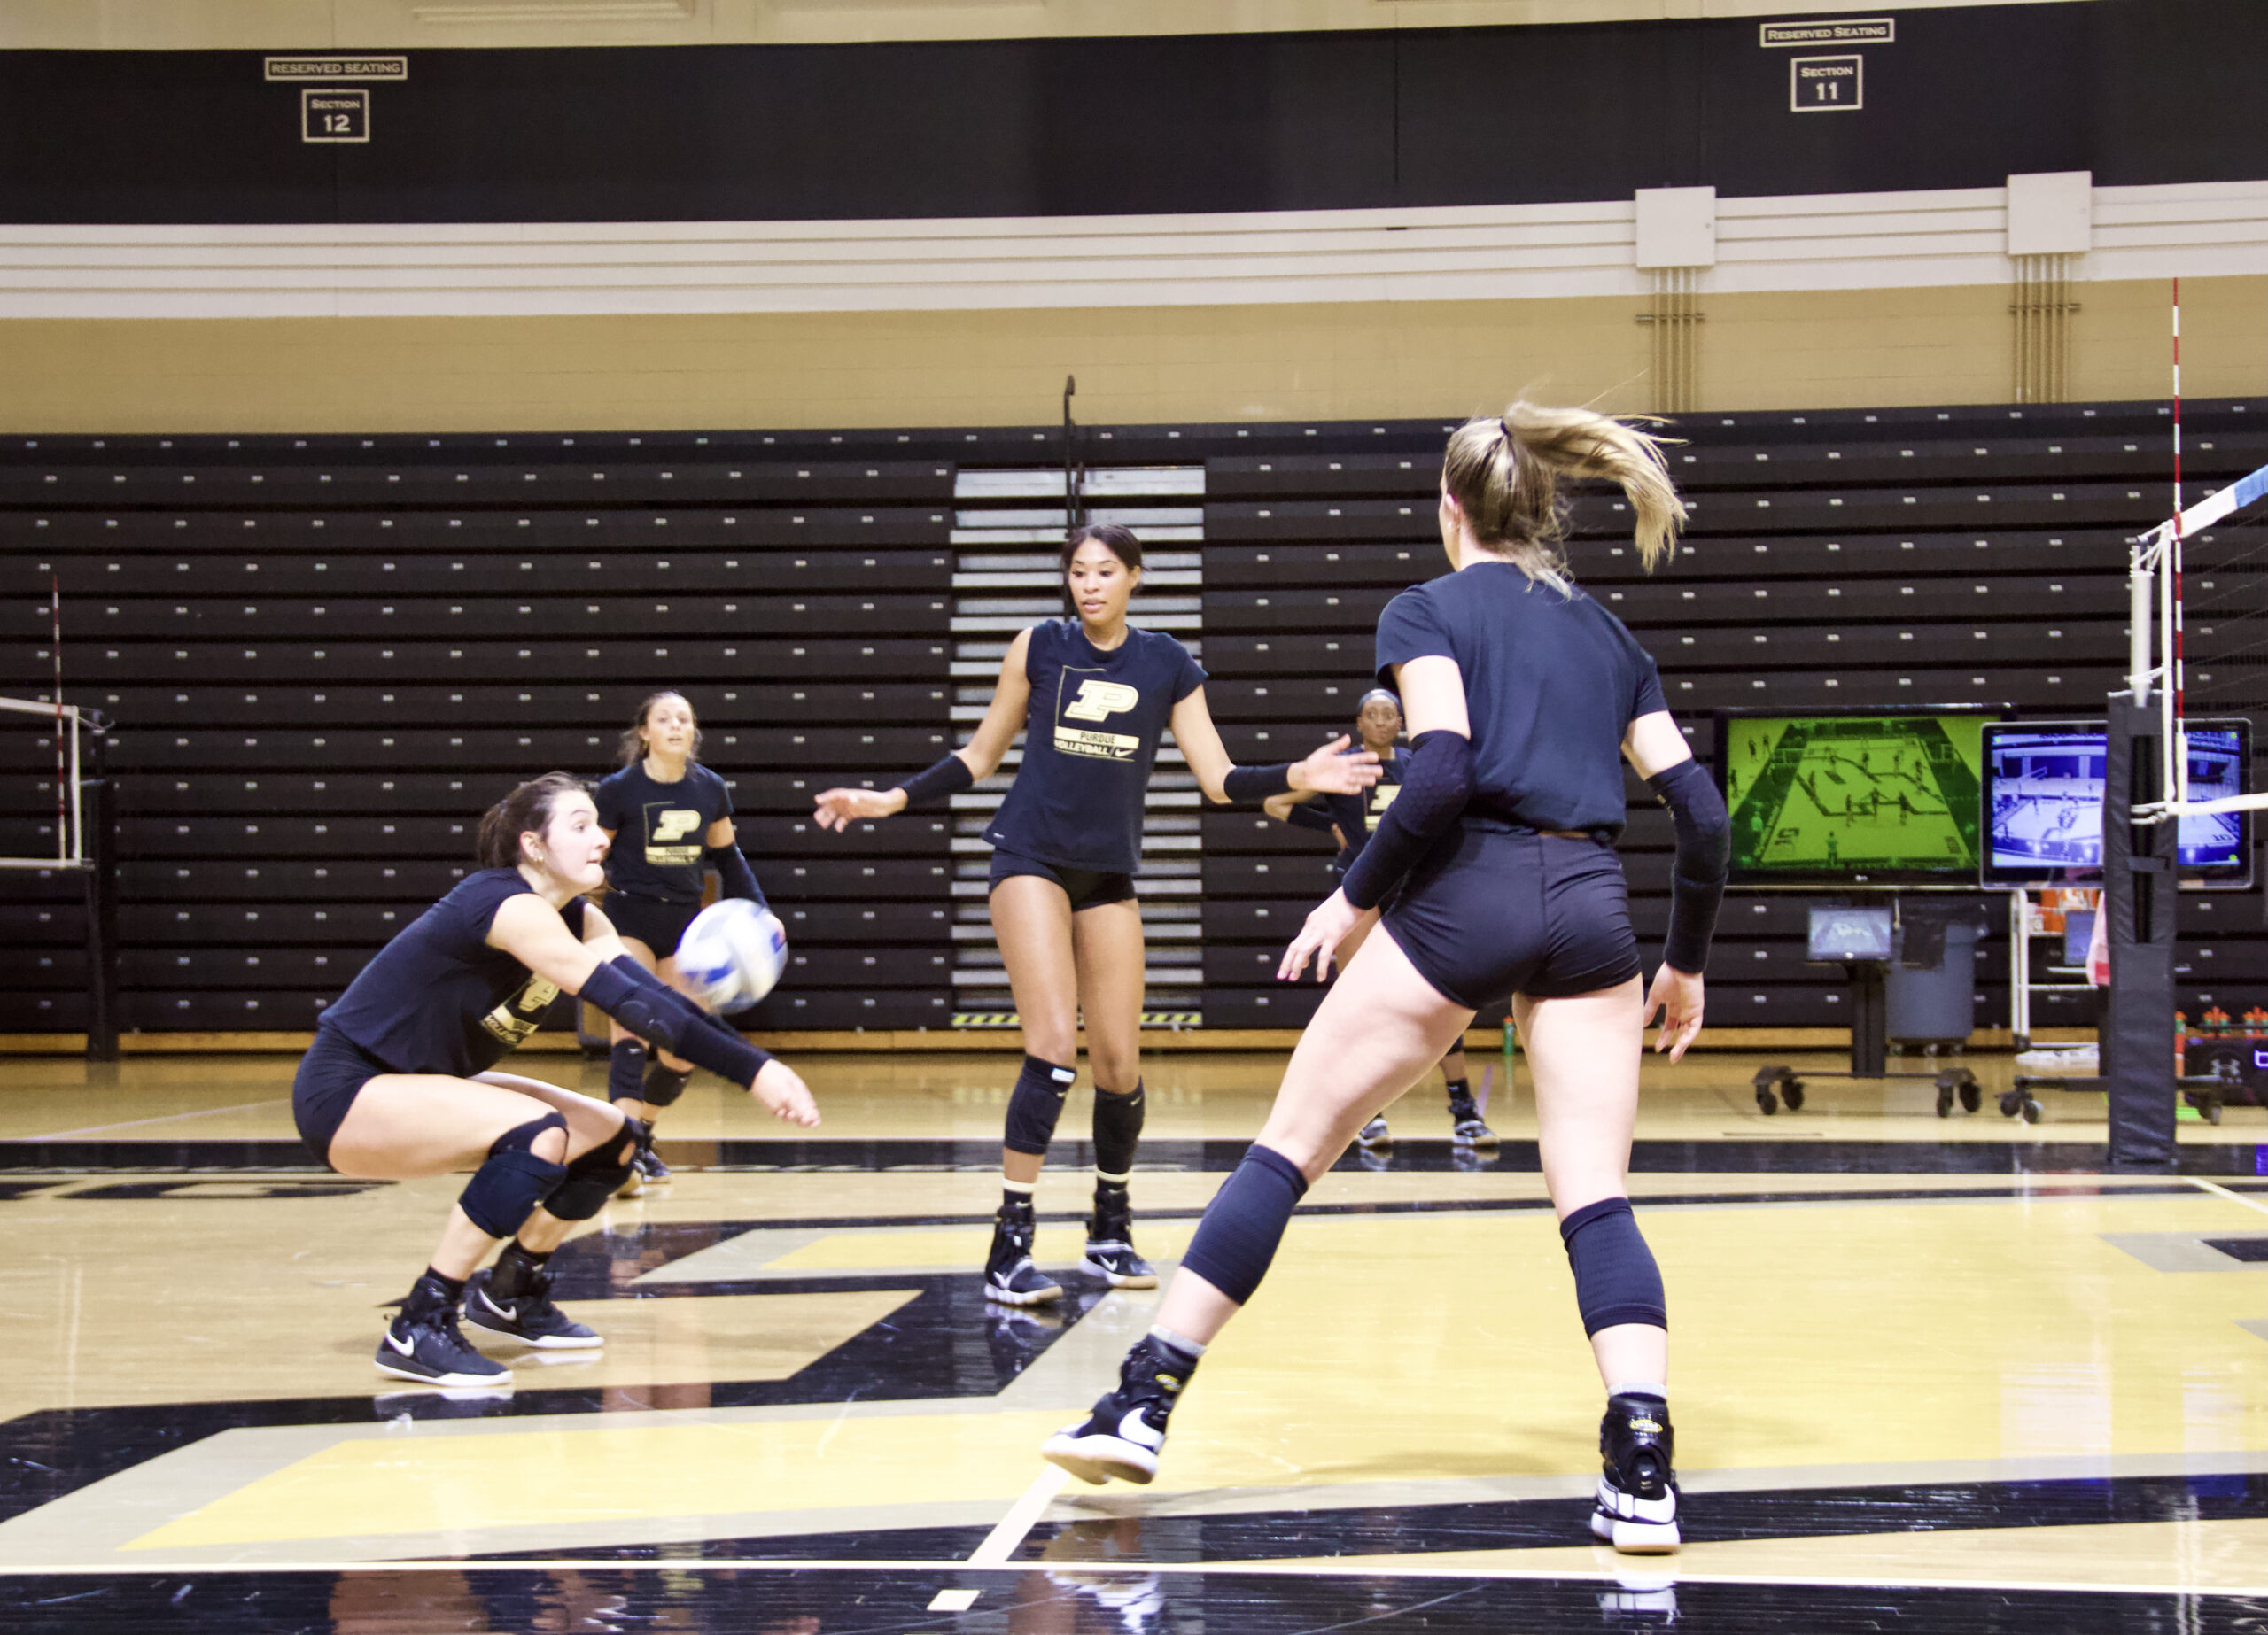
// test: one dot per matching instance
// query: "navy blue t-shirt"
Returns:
(1090, 740)
(1552, 683)
(1357, 816)
(438, 998)
(661, 831)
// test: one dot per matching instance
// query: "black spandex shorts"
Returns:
(1494, 911)
(331, 1076)
(1088, 888)
(659, 925)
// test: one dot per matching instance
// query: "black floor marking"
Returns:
(1057, 1599)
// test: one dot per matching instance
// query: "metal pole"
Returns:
(1070, 468)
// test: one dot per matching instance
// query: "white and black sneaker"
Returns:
(1123, 1435)
(1466, 1128)
(514, 1303)
(423, 1343)
(1010, 1277)
(1110, 1242)
(1636, 1511)
(1375, 1135)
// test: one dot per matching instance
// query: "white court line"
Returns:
(169, 1117)
(1002, 1541)
(2218, 1190)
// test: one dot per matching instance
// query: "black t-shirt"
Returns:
(1090, 740)
(1357, 816)
(438, 998)
(661, 831)
(1552, 683)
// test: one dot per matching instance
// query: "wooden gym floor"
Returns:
(1931, 1372)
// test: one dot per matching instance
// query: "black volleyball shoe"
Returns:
(1123, 1435)
(1636, 1511)
(1110, 1242)
(514, 1303)
(648, 1164)
(1009, 1275)
(423, 1343)
(1466, 1128)
(1375, 1135)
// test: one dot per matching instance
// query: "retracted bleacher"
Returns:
(326, 655)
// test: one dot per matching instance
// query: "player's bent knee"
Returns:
(1036, 1104)
(516, 1176)
(589, 1180)
(664, 1084)
(1616, 1279)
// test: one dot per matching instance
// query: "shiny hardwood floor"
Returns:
(1933, 1371)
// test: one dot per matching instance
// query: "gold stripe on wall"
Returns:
(1805, 349)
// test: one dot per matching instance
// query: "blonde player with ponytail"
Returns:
(1499, 877)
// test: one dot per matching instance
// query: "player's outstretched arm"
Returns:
(1330, 770)
(979, 758)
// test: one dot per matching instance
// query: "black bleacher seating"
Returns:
(327, 654)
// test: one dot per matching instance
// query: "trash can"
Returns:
(1931, 988)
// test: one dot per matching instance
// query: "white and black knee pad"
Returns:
(1036, 1103)
(512, 1181)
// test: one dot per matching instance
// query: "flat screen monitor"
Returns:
(1840, 934)
(2043, 788)
(1875, 798)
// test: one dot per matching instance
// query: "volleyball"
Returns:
(732, 954)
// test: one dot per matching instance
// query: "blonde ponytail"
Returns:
(1503, 475)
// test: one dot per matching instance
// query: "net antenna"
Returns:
(2155, 621)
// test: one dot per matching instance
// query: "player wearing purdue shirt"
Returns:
(667, 816)
(398, 1082)
(1497, 873)
(1351, 820)
(1092, 695)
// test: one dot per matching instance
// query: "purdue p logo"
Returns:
(1098, 700)
(675, 825)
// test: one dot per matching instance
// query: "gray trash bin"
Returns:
(1930, 990)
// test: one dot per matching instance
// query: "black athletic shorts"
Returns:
(659, 925)
(1493, 911)
(331, 1076)
(1088, 888)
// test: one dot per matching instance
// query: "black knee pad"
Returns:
(1036, 1103)
(513, 1181)
(1237, 1240)
(1118, 1130)
(598, 1174)
(625, 1072)
(665, 1085)
(1616, 1279)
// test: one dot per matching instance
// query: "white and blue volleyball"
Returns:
(731, 955)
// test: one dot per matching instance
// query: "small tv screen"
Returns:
(2043, 790)
(1843, 935)
(1886, 798)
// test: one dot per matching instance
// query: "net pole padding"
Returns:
(2138, 906)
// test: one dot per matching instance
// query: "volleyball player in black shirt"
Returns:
(679, 819)
(1350, 820)
(1498, 868)
(1092, 695)
(399, 1083)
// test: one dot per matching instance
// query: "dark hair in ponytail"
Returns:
(527, 810)
(633, 746)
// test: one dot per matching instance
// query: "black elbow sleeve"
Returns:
(1703, 857)
(1436, 784)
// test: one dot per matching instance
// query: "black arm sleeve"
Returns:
(1308, 815)
(1436, 783)
(657, 1013)
(949, 776)
(1246, 784)
(738, 879)
(1697, 883)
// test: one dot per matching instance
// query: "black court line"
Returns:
(1058, 1600)
(1794, 1155)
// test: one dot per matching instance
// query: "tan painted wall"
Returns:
(1811, 349)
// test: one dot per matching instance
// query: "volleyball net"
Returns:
(58, 823)
(2228, 531)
